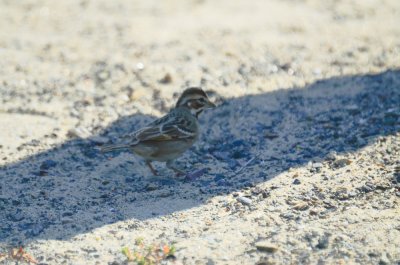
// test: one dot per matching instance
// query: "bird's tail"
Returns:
(112, 147)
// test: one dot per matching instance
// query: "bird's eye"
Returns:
(202, 100)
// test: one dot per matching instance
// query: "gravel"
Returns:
(298, 164)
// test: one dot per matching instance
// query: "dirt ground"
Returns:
(300, 160)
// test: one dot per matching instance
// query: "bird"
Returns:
(168, 137)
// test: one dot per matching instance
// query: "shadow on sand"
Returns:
(73, 188)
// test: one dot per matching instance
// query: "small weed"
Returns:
(139, 241)
(18, 254)
(148, 254)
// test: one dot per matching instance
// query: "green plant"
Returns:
(151, 254)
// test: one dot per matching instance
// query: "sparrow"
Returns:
(168, 137)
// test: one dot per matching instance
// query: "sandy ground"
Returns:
(308, 92)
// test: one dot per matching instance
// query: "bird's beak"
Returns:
(210, 105)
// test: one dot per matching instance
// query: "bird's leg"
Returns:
(148, 163)
(178, 171)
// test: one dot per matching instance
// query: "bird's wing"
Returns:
(170, 127)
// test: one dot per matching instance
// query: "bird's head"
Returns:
(196, 100)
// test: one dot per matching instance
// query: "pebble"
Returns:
(103, 75)
(78, 132)
(77, 179)
(140, 66)
(301, 206)
(332, 155)
(210, 262)
(368, 187)
(384, 259)
(296, 182)
(342, 163)
(353, 109)
(317, 165)
(266, 247)
(47, 164)
(244, 200)
(99, 139)
(317, 71)
(196, 174)
(166, 79)
(323, 242)
(151, 187)
(219, 177)
(222, 155)
(270, 136)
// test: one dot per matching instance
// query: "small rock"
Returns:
(244, 200)
(210, 262)
(315, 211)
(342, 163)
(196, 174)
(266, 246)
(266, 261)
(391, 118)
(99, 139)
(47, 164)
(34, 143)
(105, 196)
(296, 182)
(89, 250)
(317, 71)
(41, 173)
(151, 187)
(323, 242)
(65, 221)
(301, 206)
(270, 136)
(353, 109)
(222, 155)
(238, 143)
(384, 259)
(138, 94)
(367, 187)
(140, 66)
(105, 182)
(342, 194)
(78, 132)
(166, 79)
(287, 216)
(383, 186)
(265, 194)
(317, 165)
(332, 156)
(103, 75)
(67, 214)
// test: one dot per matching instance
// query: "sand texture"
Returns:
(299, 163)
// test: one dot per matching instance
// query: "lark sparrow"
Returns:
(168, 137)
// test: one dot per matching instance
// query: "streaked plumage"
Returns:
(168, 137)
